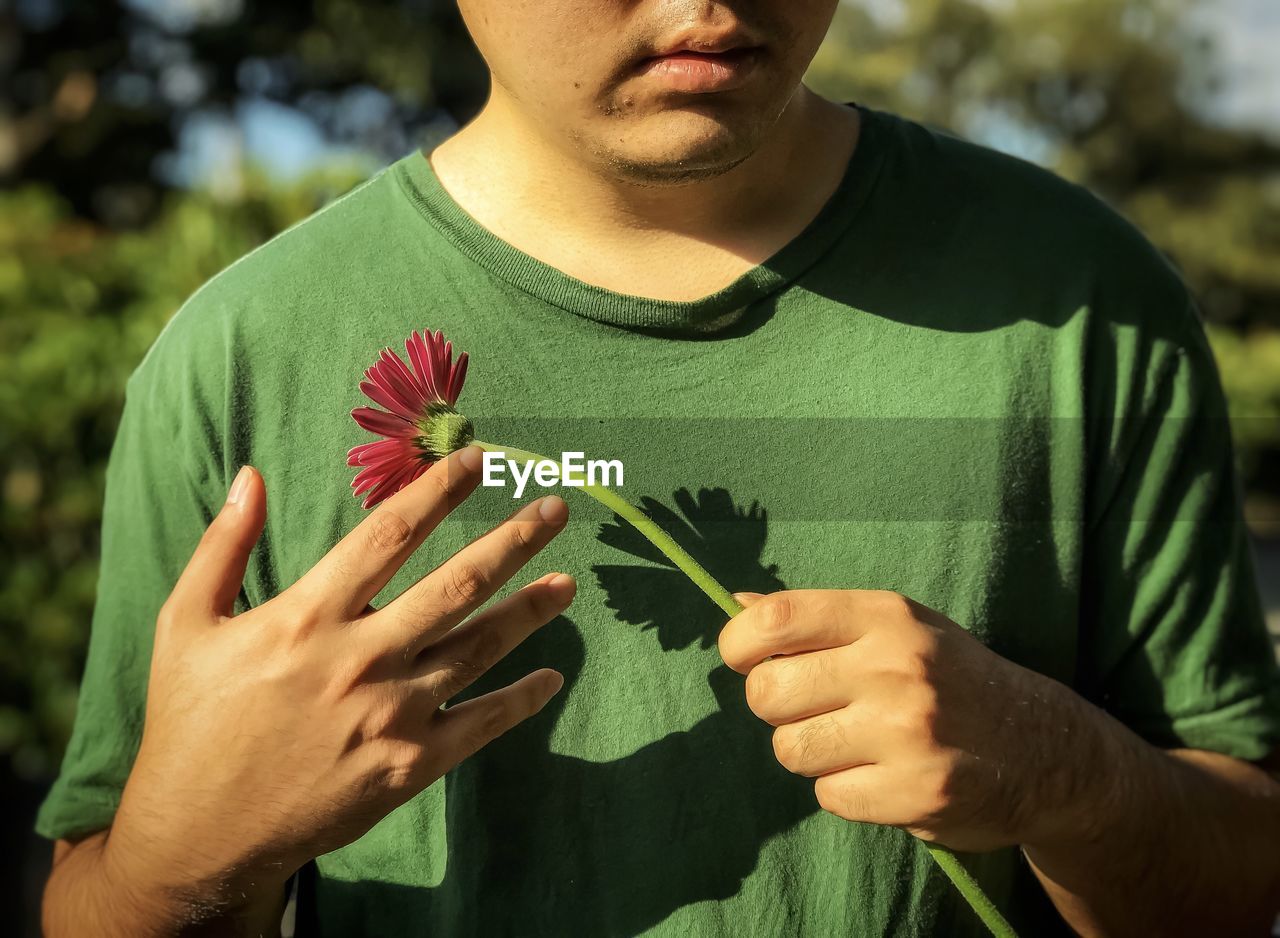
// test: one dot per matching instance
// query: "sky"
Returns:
(286, 142)
(1248, 32)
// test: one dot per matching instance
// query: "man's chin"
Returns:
(673, 149)
(667, 172)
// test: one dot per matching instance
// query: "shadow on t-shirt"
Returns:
(681, 820)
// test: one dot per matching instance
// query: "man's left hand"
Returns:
(905, 719)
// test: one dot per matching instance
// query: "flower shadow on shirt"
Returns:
(727, 540)
(543, 843)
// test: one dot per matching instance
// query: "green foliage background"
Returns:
(1101, 87)
(79, 306)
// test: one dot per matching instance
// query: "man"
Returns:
(941, 373)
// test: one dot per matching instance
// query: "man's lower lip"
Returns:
(697, 73)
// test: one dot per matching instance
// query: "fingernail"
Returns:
(238, 486)
(471, 457)
(561, 581)
(556, 681)
(553, 509)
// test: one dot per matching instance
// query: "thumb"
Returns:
(747, 599)
(214, 575)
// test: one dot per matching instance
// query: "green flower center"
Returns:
(443, 430)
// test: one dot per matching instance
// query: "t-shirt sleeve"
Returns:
(162, 475)
(1176, 642)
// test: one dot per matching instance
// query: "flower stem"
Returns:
(645, 525)
(968, 887)
(946, 859)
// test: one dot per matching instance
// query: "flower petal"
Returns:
(389, 485)
(381, 372)
(421, 359)
(379, 421)
(378, 451)
(389, 381)
(402, 380)
(380, 394)
(458, 375)
(440, 358)
(364, 480)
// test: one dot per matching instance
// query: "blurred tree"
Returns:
(92, 92)
(79, 306)
(1117, 95)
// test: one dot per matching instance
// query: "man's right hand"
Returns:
(288, 731)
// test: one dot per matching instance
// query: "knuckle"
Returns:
(827, 790)
(521, 536)
(302, 621)
(774, 684)
(761, 688)
(380, 720)
(935, 793)
(540, 606)
(444, 484)
(388, 531)
(819, 740)
(913, 717)
(167, 617)
(347, 674)
(457, 674)
(463, 584)
(775, 616)
(920, 659)
(401, 768)
(491, 723)
(909, 660)
(343, 571)
(788, 748)
(372, 729)
(894, 604)
(496, 720)
(838, 797)
(484, 649)
(928, 715)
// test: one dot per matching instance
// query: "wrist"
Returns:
(1084, 791)
(163, 890)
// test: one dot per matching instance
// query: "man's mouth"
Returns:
(699, 72)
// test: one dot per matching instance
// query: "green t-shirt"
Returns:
(966, 380)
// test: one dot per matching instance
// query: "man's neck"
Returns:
(614, 232)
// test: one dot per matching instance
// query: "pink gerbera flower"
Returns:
(420, 424)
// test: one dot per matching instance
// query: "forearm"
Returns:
(92, 892)
(1172, 843)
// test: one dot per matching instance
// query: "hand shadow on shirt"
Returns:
(680, 820)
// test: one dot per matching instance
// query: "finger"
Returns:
(789, 622)
(448, 594)
(213, 577)
(823, 744)
(464, 729)
(452, 664)
(876, 794)
(793, 687)
(365, 560)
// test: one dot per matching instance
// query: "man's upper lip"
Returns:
(706, 41)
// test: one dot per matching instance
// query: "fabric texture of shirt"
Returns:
(966, 380)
